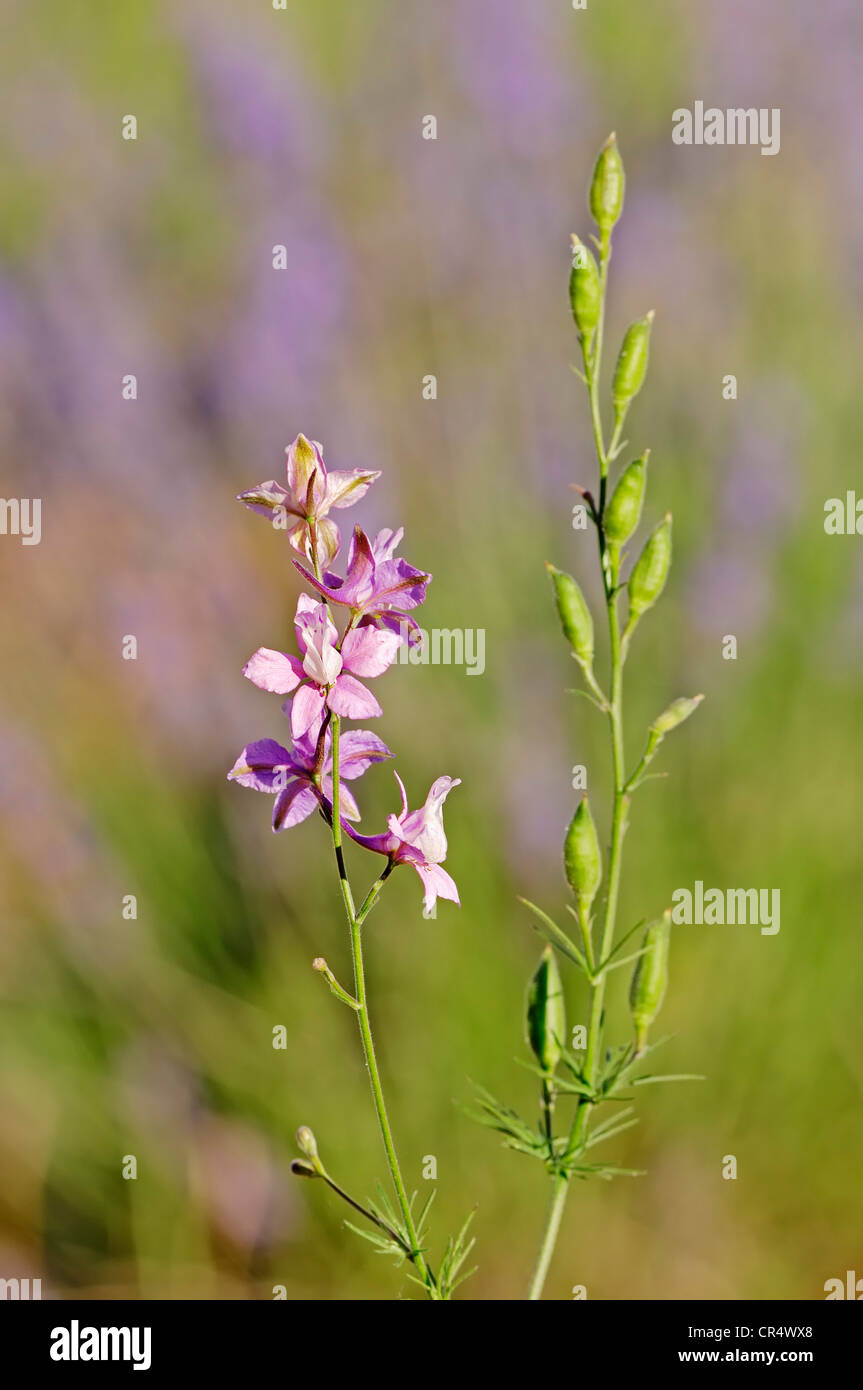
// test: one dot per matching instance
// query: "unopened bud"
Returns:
(546, 1012)
(582, 859)
(306, 1142)
(677, 712)
(607, 186)
(301, 1169)
(574, 615)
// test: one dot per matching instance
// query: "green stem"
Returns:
(355, 921)
(620, 805)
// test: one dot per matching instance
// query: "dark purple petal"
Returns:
(263, 766)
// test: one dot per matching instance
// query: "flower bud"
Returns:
(574, 615)
(677, 711)
(301, 1169)
(606, 186)
(623, 512)
(582, 859)
(306, 1142)
(584, 291)
(631, 367)
(546, 1013)
(649, 978)
(650, 571)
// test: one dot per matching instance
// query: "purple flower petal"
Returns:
(294, 803)
(260, 765)
(358, 750)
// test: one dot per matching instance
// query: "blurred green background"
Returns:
(406, 257)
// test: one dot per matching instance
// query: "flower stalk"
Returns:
(324, 681)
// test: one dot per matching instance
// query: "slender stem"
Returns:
(355, 921)
(620, 805)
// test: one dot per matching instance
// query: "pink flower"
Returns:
(310, 493)
(377, 587)
(326, 675)
(266, 766)
(418, 838)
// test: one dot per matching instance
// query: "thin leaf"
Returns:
(557, 936)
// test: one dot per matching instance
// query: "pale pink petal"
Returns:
(267, 498)
(437, 884)
(386, 542)
(306, 708)
(346, 487)
(424, 828)
(369, 651)
(278, 672)
(349, 697)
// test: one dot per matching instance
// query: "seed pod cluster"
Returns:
(649, 979)
(650, 571)
(623, 512)
(546, 1013)
(585, 295)
(631, 367)
(607, 186)
(582, 859)
(574, 614)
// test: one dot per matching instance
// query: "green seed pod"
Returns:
(649, 978)
(546, 1013)
(581, 858)
(677, 711)
(607, 185)
(574, 615)
(650, 571)
(623, 512)
(631, 367)
(584, 291)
